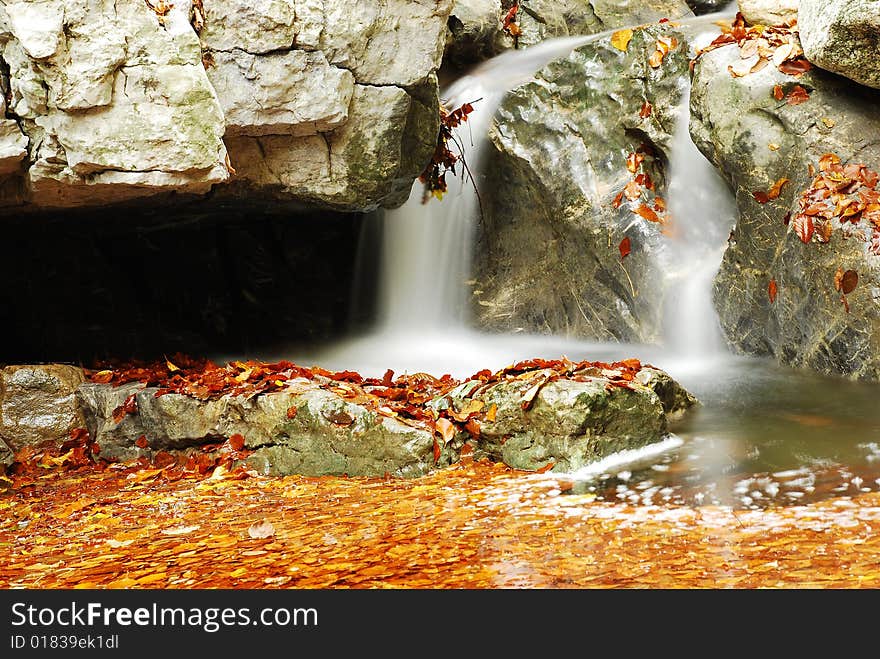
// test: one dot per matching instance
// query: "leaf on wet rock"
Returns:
(772, 290)
(776, 188)
(797, 96)
(646, 110)
(339, 417)
(849, 281)
(621, 39)
(625, 247)
(446, 429)
(803, 227)
(236, 442)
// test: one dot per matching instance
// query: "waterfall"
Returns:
(427, 248)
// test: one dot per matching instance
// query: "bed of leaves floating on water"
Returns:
(474, 525)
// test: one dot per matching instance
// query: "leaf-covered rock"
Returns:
(793, 245)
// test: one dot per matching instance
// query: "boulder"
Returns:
(780, 289)
(325, 435)
(769, 12)
(568, 423)
(38, 404)
(475, 26)
(842, 36)
(564, 147)
(6, 455)
(113, 98)
(332, 104)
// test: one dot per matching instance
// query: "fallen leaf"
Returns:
(803, 227)
(645, 112)
(446, 429)
(621, 39)
(778, 94)
(797, 96)
(339, 417)
(648, 214)
(849, 281)
(795, 67)
(142, 442)
(838, 279)
(761, 197)
(492, 413)
(236, 441)
(776, 189)
(772, 290)
(262, 529)
(436, 451)
(625, 247)
(291, 412)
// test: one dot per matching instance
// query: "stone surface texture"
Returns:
(843, 36)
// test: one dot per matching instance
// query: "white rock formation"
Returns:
(769, 12)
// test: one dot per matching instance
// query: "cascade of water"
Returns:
(426, 248)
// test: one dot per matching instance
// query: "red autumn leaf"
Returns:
(795, 67)
(849, 281)
(646, 110)
(778, 94)
(772, 290)
(291, 412)
(618, 200)
(845, 302)
(625, 247)
(141, 442)
(547, 467)
(823, 231)
(436, 451)
(236, 441)
(127, 407)
(803, 227)
(797, 96)
(761, 197)
(634, 160)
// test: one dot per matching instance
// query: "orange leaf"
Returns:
(621, 39)
(761, 197)
(645, 112)
(141, 442)
(795, 67)
(492, 412)
(772, 290)
(446, 429)
(777, 188)
(778, 94)
(838, 279)
(625, 247)
(236, 441)
(291, 412)
(436, 450)
(648, 214)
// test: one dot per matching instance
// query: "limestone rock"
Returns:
(13, 147)
(38, 404)
(115, 439)
(769, 12)
(290, 93)
(369, 161)
(114, 99)
(548, 243)
(842, 36)
(756, 140)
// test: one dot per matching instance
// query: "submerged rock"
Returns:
(842, 36)
(38, 404)
(476, 26)
(780, 290)
(575, 155)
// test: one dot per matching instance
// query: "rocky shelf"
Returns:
(282, 418)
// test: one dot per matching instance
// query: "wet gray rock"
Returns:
(116, 440)
(548, 243)
(475, 26)
(327, 434)
(38, 404)
(568, 423)
(737, 123)
(675, 399)
(842, 36)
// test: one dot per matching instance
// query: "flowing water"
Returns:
(764, 435)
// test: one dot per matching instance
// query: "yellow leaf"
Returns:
(621, 39)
